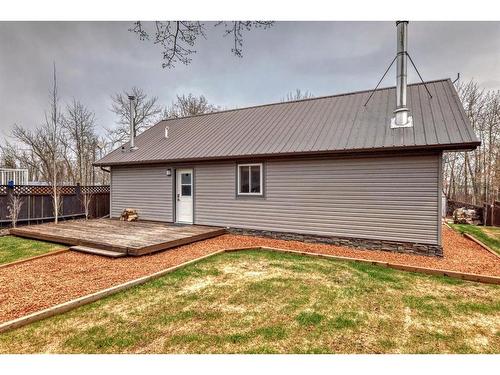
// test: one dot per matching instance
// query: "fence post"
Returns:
(97, 211)
(10, 191)
(78, 194)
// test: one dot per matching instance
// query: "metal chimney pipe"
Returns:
(131, 98)
(401, 118)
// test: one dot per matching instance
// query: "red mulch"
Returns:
(44, 282)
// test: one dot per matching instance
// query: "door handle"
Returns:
(178, 197)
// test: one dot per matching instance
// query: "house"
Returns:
(18, 176)
(328, 169)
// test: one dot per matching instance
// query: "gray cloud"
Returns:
(96, 59)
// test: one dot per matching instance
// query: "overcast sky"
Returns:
(96, 59)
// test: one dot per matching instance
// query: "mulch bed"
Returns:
(44, 282)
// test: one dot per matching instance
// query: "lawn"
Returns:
(490, 236)
(16, 248)
(266, 302)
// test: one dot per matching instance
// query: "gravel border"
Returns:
(483, 245)
(41, 283)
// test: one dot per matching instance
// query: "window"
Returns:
(186, 184)
(250, 179)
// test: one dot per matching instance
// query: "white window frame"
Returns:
(261, 166)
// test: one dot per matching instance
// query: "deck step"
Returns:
(101, 252)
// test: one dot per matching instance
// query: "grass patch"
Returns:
(272, 333)
(15, 248)
(478, 307)
(427, 306)
(345, 320)
(309, 318)
(490, 236)
(266, 302)
(377, 273)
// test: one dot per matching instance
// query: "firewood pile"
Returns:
(129, 214)
(465, 216)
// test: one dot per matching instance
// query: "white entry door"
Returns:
(184, 196)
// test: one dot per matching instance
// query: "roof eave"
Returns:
(441, 147)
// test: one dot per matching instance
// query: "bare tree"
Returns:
(53, 122)
(86, 199)
(77, 147)
(61, 149)
(178, 38)
(473, 177)
(298, 94)
(146, 113)
(81, 140)
(14, 208)
(24, 158)
(189, 105)
(8, 159)
(36, 149)
(102, 147)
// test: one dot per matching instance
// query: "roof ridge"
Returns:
(300, 100)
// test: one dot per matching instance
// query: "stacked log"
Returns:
(129, 214)
(465, 216)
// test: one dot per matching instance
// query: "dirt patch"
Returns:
(44, 282)
(198, 285)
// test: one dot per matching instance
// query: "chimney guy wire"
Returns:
(392, 62)
(379, 82)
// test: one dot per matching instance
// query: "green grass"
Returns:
(490, 236)
(307, 318)
(16, 248)
(267, 302)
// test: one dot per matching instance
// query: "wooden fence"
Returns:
(492, 213)
(37, 202)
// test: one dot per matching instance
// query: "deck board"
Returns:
(132, 238)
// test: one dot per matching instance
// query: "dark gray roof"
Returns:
(330, 124)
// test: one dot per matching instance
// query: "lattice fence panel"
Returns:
(95, 189)
(47, 190)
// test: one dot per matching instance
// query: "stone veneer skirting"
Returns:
(358, 243)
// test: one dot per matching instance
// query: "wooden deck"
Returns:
(132, 238)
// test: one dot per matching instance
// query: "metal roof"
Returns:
(330, 124)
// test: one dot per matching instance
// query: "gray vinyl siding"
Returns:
(147, 189)
(389, 198)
